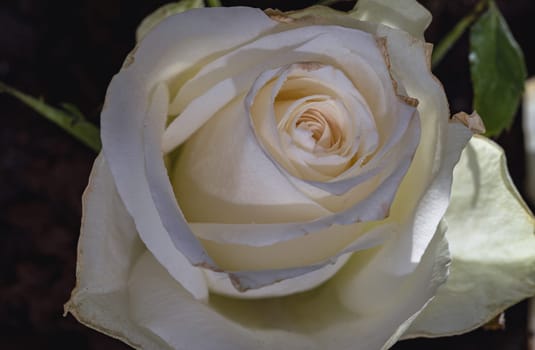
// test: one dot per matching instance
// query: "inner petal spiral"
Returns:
(313, 121)
(322, 127)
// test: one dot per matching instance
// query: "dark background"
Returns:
(67, 51)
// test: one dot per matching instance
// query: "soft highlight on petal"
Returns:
(366, 289)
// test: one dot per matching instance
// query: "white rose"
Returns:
(249, 157)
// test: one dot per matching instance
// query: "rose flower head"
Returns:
(274, 180)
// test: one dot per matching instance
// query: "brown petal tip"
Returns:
(471, 121)
(496, 324)
(278, 15)
(383, 48)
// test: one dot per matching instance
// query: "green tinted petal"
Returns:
(163, 12)
(492, 242)
(407, 15)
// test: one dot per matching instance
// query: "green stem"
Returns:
(214, 3)
(74, 123)
(442, 48)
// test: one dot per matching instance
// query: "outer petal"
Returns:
(407, 15)
(163, 12)
(115, 298)
(409, 66)
(314, 320)
(492, 241)
(108, 247)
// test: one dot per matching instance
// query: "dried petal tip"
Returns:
(278, 15)
(496, 324)
(471, 121)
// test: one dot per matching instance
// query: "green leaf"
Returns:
(76, 114)
(498, 71)
(70, 119)
(163, 12)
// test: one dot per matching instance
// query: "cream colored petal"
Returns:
(173, 226)
(158, 304)
(492, 241)
(234, 73)
(223, 176)
(289, 265)
(107, 248)
(329, 232)
(401, 254)
(218, 169)
(314, 320)
(194, 204)
(155, 312)
(320, 238)
(163, 12)
(221, 284)
(402, 115)
(409, 66)
(321, 317)
(407, 15)
(180, 231)
(161, 314)
(318, 86)
(124, 116)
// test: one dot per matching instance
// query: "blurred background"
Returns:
(67, 51)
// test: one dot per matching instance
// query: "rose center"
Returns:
(312, 120)
(321, 126)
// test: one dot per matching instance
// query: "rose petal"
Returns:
(261, 260)
(172, 219)
(220, 283)
(409, 295)
(407, 15)
(492, 245)
(311, 85)
(157, 58)
(401, 254)
(137, 189)
(154, 311)
(259, 234)
(108, 247)
(150, 21)
(263, 234)
(222, 176)
(162, 306)
(313, 320)
(411, 68)
(178, 228)
(233, 74)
